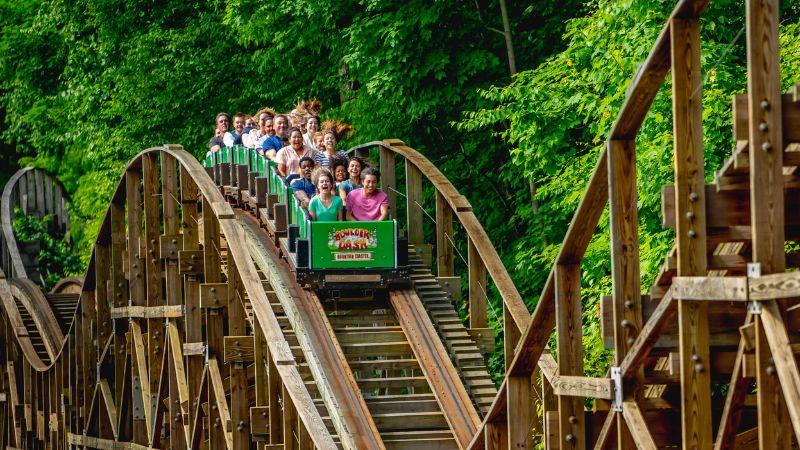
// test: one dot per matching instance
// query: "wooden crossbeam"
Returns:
(147, 312)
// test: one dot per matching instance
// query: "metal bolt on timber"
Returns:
(628, 304)
(766, 146)
(573, 419)
(771, 370)
(765, 104)
(570, 438)
(692, 234)
(694, 196)
(763, 127)
(689, 215)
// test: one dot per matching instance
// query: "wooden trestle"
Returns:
(189, 330)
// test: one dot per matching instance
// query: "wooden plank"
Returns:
(414, 212)
(496, 436)
(239, 349)
(445, 254)
(785, 361)
(477, 288)
(450, 392)
(569, 337)
(713, 288)
(579, 386)
(147, 312)
(775, 286)
(734, 400)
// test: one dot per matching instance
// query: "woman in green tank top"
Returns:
(325, 206)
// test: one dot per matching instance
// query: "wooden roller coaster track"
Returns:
(189, 330)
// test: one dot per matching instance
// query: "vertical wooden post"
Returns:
(174, 291)
(388, 178)
(136, 270)
(290, 433)
(496, 435)
(192, 318)
(569, 333)
(214, 320)
(477, 288)
(511, 335)
(766, 195)
(519, 411)
(275, 392)
(237, 326)
(152, 226)
(416, 235)
(624, 216)
(119, 297)
(444, 235)
(691, 230)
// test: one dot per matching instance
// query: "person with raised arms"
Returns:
(369, 202)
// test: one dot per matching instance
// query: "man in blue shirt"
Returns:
(303, 188)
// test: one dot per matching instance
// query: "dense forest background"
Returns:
(87, 84)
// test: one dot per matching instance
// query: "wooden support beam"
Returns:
(727, 289)
(650, 333)
(108, 405)
(477, 288)
(624, 215)
(691, 231)
(519, 410)
(766, 194)
(153, 263)
(569, 334)
(140, 365)
(147, 312)
(445, 254)
(789, 118)
(785, 362)
(416, 235)
(388, 178)
(637, 426)
(604, 437)
(222, 405)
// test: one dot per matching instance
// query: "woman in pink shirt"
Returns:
(369, 202)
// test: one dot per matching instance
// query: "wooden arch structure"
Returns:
(190, 331)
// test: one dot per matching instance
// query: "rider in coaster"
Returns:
(369, 202)
(288, 158)
(303, 187)
(325, 206)
(339, 167)
(354, 168)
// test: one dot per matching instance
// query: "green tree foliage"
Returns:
(57, 258)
